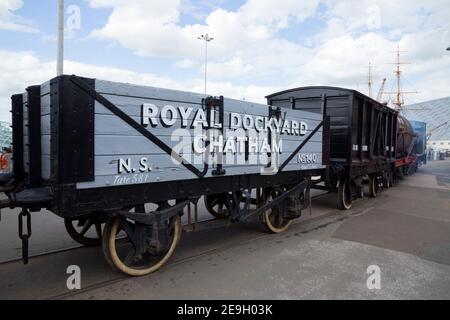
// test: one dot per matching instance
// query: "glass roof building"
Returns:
(5, 135)
(435, 113)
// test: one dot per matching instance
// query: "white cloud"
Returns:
(247, 45)
(185, 64)
(250, 58)
(236, 67)
(18, 70)
(10, 21)
(393, 18)
(138, 26)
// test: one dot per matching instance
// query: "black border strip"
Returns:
(34, 135)
(17, 136)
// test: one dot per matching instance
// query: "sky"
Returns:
(259, 47)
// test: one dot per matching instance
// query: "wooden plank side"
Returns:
(109, 124)
(114, 139)
(108, 164)
(170, 175)
(45, 130)
(45, 104)
(134, 145)
(132, 107)
(45, 166)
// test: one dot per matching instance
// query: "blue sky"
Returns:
(42, 15)
(260, 46)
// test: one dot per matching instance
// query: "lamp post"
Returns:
(206, 38)
(60, 50)
(448, 49)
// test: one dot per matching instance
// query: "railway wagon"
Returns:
(129, 160)
(362, 138)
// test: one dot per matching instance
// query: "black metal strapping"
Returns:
(135, 125)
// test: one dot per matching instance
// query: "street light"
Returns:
(60, 36)
(206, 38)
(448, 49)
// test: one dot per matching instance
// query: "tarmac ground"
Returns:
(403, 236)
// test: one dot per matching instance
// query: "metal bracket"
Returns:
(275, 201)
(156, 216)
(274, 112)
(209, 104)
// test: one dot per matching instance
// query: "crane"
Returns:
(380, 92)
(431, 131)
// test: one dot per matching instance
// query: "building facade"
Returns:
(436, 113)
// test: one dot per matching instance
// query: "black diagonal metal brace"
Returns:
(135, 125)
(285, 163)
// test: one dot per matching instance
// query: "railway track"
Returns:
(307, 226)
(301, 227)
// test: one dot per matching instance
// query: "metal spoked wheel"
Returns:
(274, 218)
(345, 197)
(373, 186)
(217, 205)
(131, 248)
(79, 230)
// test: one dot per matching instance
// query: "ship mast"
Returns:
(370, 78)
(399, 102)
(398, 98)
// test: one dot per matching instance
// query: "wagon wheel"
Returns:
(218, 205)
(345, 197)
(373, 186)
(130, 248)
(78, 228)
(274, 218)
(390, 180)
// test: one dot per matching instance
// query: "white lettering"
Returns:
(149, 112)
(167, 120)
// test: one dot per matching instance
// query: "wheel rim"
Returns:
(374, 184)
(79, 232)
(273, 218)
(389, 182)
(121, 252)
(346, 196)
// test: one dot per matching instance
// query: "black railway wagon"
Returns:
(362, 138)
